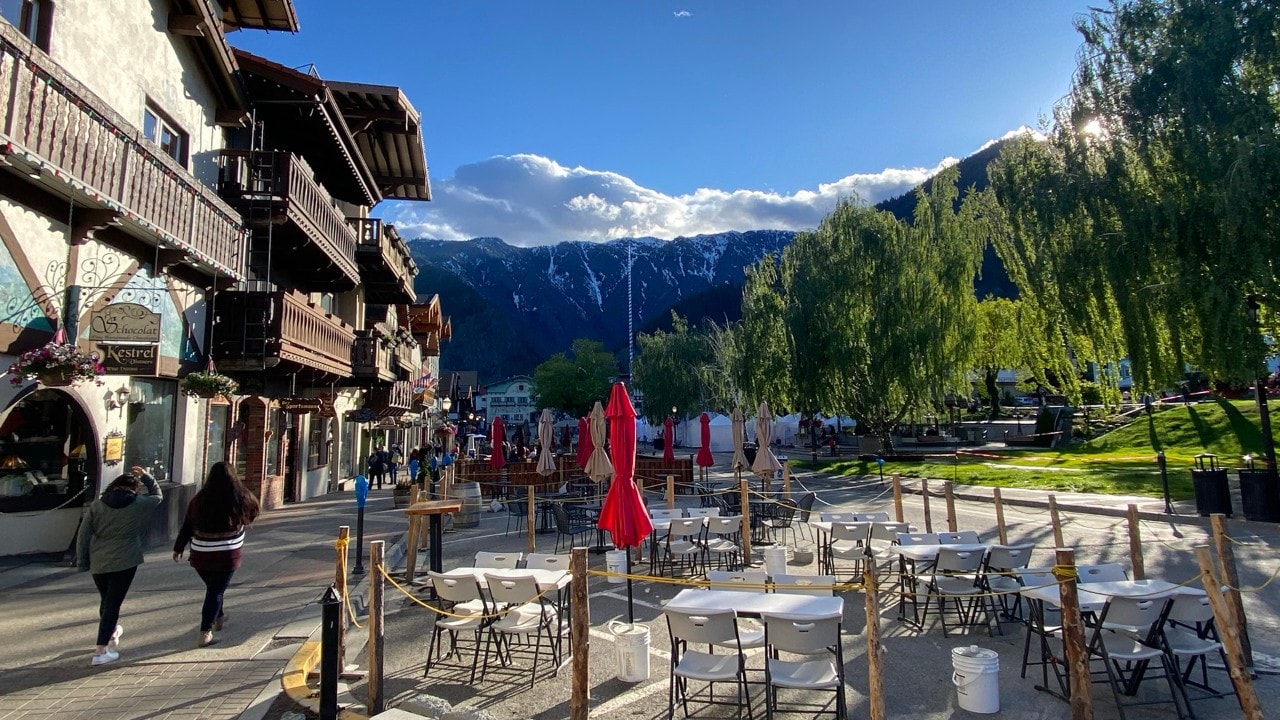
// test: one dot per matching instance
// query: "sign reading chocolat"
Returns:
(125, 322)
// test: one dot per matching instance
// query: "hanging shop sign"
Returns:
(326, 408)
(113, 448)
(130, 359)
(299, 405)
(362, 415)
(125, 322)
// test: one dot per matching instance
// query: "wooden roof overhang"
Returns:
(200, 20)
(389, 132)
(300, 115)
(260, 15)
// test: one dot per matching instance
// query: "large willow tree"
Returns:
(682, 369)
(1148, 222)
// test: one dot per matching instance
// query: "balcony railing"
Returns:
(391, 400)
(372, 359)
(285, 183)
(261, 331)
(57, 125)
(387, 268)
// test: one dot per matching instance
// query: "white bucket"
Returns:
(632, 643)
(976, 675)
(615, 562)
(775, 561)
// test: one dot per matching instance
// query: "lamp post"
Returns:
(1260, 392)
(1164, 482)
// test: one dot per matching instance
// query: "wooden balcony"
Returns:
(375, 360)
(387, 269)
(311, 245)
(280, 333)
(391, 400)
(60, 134)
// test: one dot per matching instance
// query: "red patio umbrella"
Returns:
(584, 442)
(704, 458)
(668, 440)
(497, 438)
(624, 514)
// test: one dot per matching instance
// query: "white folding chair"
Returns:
(525, 614)
(838, 516)
(1107, 572)
(468, 611)
(704, 512)
(666, 513)
(871, 517)
(820, 585)
(756, 580)
(848, 542)
(821, 667)
(1126, 640)
(963, 537)
(1190, 636)
(955, 579)
(884, 535)
(999, 576)
(683, 545)
(724, 541)
(497, 560)
(546, 561)
(710, 627)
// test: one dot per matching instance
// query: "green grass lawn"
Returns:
(1120, 462)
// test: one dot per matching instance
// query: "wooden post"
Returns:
(671, 492)
(1229, 634)
(424, 527)
(1073, 636)
(376, 639)
(746, 520)
(875, 670)
(580, 631)
(533, 544)
(1227, 571)
(924, 494)
(1057, 522)
(340, 582)
(411, 546)
(1000, 528)
(897, 498)
(1135, 544)
(951, 507)
(786, 479)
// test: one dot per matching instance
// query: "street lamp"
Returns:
(1260, 392)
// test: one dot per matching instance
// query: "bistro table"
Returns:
(434, 510)
(753, 603)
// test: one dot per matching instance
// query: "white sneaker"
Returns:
(107, 656)
(115, 638)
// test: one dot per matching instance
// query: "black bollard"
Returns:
(330, 663)
(359, 568)
(1164, 482)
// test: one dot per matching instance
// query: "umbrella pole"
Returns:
(631, 608)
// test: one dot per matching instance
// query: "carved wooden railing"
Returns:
(282, 178)
(393, 266)
(57, 125)
(371, 358)
(297, 332)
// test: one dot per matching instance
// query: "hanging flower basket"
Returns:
(209, 384)
(57, 365)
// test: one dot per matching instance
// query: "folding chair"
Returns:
(506, 561)
(820, 585)
(543, 561)
(838, 516)
(704, 512)
(871, 517)
(467, 612)
(1043, 627)
(817, 641)
(711, 627)
(884, 536)
(963, 537)
(683, 545)
(848, 542)
(666, 513)
(753, 580)
(724, 540)
(1107, 572)
(1190, 635)
(999, 576)
(955, 578)
(1126, 638)
(524, 613)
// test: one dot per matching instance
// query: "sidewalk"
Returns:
(50, 618)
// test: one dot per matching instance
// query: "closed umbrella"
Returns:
(739, 461)
(598, 466)
(669, 440)
(624, 514)
(766, 464)
(584, 442)
(520, 442)
(546, 431)
(704, 451)
(566, 439)
(498, 437)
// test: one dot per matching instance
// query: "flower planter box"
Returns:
(61, 377)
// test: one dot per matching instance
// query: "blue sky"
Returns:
(597, 119)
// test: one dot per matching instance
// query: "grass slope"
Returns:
(1120, 462)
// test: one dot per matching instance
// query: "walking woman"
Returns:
(214, 527)
(110, 547)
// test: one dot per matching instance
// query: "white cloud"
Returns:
(682, 14)
(533, 200)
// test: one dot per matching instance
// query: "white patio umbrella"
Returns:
(546, 431)
(599, 468)
(766, 464)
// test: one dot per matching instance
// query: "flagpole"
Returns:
(630, 311)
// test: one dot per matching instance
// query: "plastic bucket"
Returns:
(469, 494)
(632, 644)
(775, 561)
(615, 561)
(976, 675)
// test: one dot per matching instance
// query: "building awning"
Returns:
(260, 15)
(388, 131)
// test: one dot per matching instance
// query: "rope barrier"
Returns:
(1260, 588)
(1073, 520)
(446, 613)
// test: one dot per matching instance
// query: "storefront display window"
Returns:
(347, 451)
(274, 440)
(216, 448)
(317, 442)
(46, 449)
(150, 419)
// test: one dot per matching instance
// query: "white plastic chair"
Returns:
(723, 541)
(848, 542)
(1125, 638)
(704, 512)
(871, 517)
(963, 537)
(999, 576)
(710, 627)
(821, 666)
(666, 513)
(838, 516)
(1107, 572)
(1190, 635)
(683, 544)
(955, 579)
(819, 585)
(754, 580)
(546, 561)
(497, 560)
(525, 614)
(460, 596)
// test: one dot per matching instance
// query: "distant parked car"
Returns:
(1028, 400)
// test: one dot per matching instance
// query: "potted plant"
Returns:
(402, 495)
(209, 384)
(57, 364)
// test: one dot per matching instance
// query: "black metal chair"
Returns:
(781, 519)
(803, 509)
(519, 511)
(567, 526)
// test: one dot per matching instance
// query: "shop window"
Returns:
(346, 451)
(149, 426)
(275, 441)
(317, 442)
(216, 446)
(33, 18)
(162, 131)
(47, 450)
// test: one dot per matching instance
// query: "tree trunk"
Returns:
(993, 391)
(813, 434)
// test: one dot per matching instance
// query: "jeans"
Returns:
(394, 468)
(112, 587)
(215, 584)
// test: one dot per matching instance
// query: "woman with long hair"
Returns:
(110, 547)
(214, 527)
